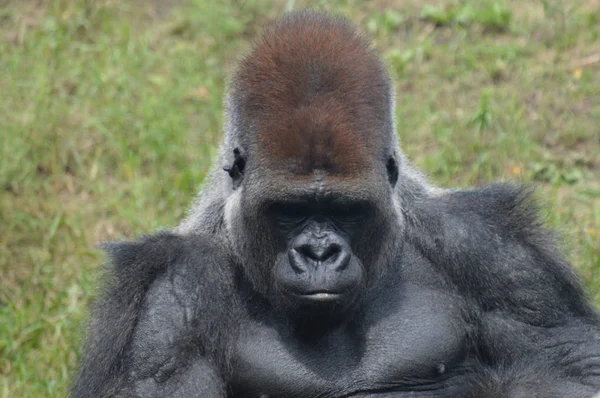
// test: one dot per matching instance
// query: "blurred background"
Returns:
(111, 113)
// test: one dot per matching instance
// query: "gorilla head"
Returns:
(312, 210)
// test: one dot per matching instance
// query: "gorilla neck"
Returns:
(321, 318)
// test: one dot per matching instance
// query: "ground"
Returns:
(110, 114)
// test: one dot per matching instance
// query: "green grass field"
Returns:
(110, 114)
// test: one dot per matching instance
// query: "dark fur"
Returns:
(312, 95)
(164, 264)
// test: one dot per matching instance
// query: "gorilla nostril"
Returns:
(331, 252)
(307, 251)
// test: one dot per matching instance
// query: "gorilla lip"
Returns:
(320, 296)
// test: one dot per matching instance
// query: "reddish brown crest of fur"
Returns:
(315, 96)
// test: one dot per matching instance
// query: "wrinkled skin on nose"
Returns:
(311, 251)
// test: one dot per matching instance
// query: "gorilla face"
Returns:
(318, 267)
(313, 243)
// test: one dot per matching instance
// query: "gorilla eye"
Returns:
(289, 214)
(349, 213)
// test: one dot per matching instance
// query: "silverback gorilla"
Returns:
(319, 263)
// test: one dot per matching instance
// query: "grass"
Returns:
(111, 114)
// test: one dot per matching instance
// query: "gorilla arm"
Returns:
(532, 310)
(158, 330)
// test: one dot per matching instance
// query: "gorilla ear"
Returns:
(392, 170)
(236, 170)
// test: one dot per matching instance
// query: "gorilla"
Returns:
(317, 262)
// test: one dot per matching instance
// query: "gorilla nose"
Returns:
(319, 253)
(314, 252)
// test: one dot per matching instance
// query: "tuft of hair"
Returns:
(313, 94)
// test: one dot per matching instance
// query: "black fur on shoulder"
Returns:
(133, 269)
(492, 244)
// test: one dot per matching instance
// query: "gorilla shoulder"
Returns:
(493, 245)
(167, 298)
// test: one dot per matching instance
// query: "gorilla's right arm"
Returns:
(537, 333)
(160, 290)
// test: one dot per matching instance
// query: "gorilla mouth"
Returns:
(320, 296)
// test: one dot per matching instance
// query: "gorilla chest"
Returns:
(407, 343)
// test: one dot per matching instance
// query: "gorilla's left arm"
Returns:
(531, 306)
